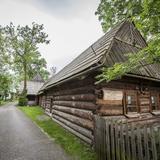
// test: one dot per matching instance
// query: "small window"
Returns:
(131, 101)
(154, 101)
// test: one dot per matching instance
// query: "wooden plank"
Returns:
(76, 104)
(139, 143)
(109, 102)
(153, 143)
(103, 149)
(127, 142)
(76, 90)
(117, 149)
(78, 112)
(77, 128)
(146, 141)
(109, 112)
(77, 120)
(133, 145)
(79, 97)
(104, 139)
(158, 132)
(112, 137)
(85, 139)
(108, 140)
(122, 142)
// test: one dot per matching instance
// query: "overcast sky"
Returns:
(71, 25)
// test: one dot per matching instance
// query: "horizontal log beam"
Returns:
(77, 112)
(79, 121)
(109, 102)
(79, 97)
(85, 139)
(86, 89)
(75, 104)
(110, 111)
(77, 128)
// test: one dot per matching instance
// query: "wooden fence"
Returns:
(125, 141)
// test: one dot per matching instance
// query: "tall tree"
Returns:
(5, 77)
(146, 16)
(22, 47)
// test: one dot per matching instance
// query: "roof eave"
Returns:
(143, 77)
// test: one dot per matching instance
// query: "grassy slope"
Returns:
(68, 141)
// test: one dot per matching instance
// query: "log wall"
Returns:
(74, 104)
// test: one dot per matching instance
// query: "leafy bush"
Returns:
(22, 101)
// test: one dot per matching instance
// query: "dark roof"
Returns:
(111, 48)
(38, 78)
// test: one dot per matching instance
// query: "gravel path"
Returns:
(21, 139)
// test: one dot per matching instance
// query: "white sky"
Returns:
(71, 25)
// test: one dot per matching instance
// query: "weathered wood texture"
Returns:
(76, 104)
(43, 102)
(72, 106)
(79, 97)
(77, 112)
(144, 102)
(124, 141)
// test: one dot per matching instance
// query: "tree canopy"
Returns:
(146, 16)
(19, 46)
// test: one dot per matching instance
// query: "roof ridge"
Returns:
(87, 57)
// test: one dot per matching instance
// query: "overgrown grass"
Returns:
(68, 141)
(3, 103)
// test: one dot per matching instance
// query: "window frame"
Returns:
(157, 95)
(130, 93)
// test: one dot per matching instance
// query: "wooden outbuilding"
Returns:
(72, 98)
(33, 86)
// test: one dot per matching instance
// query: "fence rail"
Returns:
(124, 141)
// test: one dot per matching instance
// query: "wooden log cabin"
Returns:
(72, 98)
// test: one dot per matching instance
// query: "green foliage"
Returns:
(146, 15)
(68, 141)
(20, 44)
(22, 101)
(5, 79)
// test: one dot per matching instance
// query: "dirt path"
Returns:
(21, 139)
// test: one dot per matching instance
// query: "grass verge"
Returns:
(3, 103)
(68, 141)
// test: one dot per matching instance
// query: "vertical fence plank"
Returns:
(133, 146)
(158, 142)
(108, 140)
(127, 143)
(153, 144)
(104, 139)
(146, 141)
(117, 151)
(112, 137)
(139, 143)
(119, 141)
(122, 142)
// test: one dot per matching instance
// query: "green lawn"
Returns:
(68, 141)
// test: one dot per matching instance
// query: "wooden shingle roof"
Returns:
(109, 49)
(33, 86)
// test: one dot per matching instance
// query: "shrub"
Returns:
(22, 101)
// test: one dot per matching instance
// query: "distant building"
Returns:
(33, 87)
